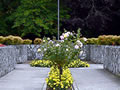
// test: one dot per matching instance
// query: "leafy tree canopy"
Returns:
(38, 17)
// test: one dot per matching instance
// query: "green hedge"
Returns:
(101, 40)
(16, 40)
(105, 40)
(37, 41)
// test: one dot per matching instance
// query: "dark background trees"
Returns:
(38, 18)
(95, 17)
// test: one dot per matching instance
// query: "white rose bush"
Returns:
(64, 51)
(60, 54)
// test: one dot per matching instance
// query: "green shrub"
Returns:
(9, 40)
(108, 40)
(27, 41)
(92, 41)
(104, 40)
(13, 40)
(37, 41)
(2, 39)
(17, 40)
(117, 40)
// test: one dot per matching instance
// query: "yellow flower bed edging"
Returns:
(47, 63)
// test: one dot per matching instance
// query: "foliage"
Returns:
(7, 7)
(27, 41)
(78, 63)
(53, 81)
(9, 40)
(36, 16)
(2, 39)
(92, 41)
(105, 40)
(41, 63)
(109, 40)
(48, 63)
(17, 40)
(14, 40)
(61, 52)
(37, 41)
(95, 17)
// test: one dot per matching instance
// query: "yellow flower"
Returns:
(65, 35)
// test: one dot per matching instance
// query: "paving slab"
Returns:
(94, 78)
(24, 77)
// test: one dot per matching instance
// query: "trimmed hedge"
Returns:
(27, 41)
(92, 41)
(105, 40)
(12, 40)
(37, 41)
(2, 39)
(101, 40)
(16, 40)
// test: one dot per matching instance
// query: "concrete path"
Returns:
(24, 77)
(95, 78)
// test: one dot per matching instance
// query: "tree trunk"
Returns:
(61, 71)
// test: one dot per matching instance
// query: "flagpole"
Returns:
(58, 18)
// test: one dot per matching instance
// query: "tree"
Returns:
(38, 17)
(7, 7)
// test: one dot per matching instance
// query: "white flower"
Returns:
(39, 50)
(85, 39)
(76, 47)
(67, 49)
(45, 49)
(62, 37)
(71, 34)
(66, 35)
(57, 45)
(43, 40)
(81, 52)
(79, 43)
(48, 39)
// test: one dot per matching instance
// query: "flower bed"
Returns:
(61, 54)
(48, 63)
(54, 83)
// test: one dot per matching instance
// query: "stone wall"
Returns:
(10, 55)
(97, 53)
(109, 56)
(32, 52)
(20, 53)
(7, 60)
(112, 59)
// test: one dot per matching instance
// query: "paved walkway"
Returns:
(95, 78)
(24, 77)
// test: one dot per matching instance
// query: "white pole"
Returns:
(58, 18)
